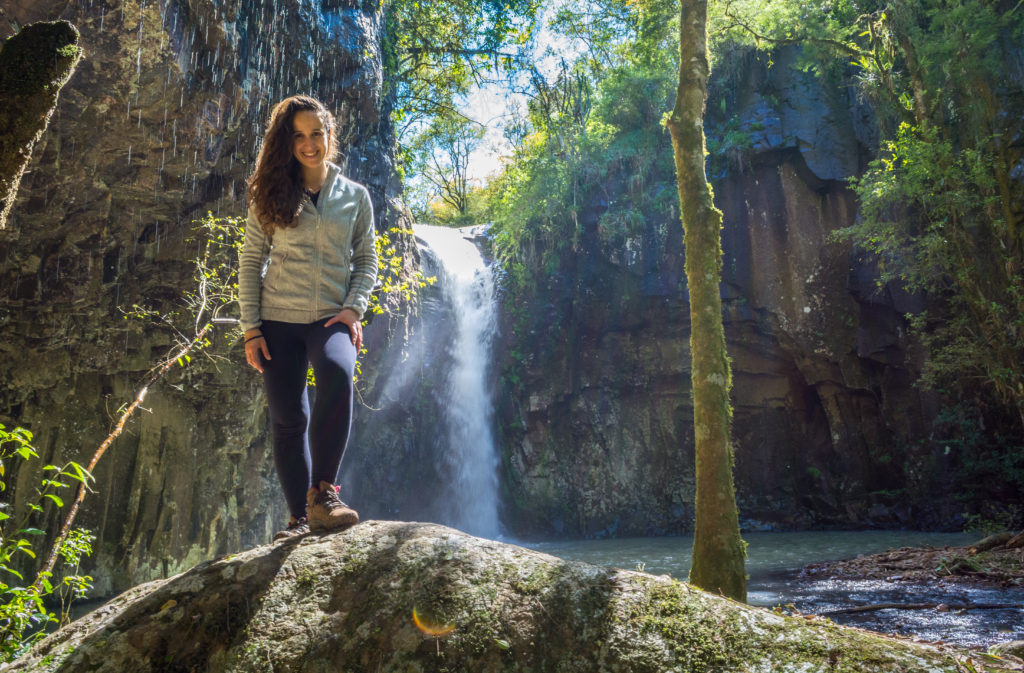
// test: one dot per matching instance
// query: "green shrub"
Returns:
(24, 613)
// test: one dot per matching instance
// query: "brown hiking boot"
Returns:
(326, 511)
(295, 528)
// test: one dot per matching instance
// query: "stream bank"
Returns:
(777, 577)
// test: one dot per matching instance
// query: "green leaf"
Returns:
(32, 531)
(81, 474)
(12, 571)
(54, 498)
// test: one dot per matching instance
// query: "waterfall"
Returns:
(470, 457)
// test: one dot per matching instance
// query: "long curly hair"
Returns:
(275, 187)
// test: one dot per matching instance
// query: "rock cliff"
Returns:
(415, 597)
(829, 427)
(159, 125)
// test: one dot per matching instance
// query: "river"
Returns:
(774, 560)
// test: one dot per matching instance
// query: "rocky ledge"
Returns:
(391, 596)
(996, 560)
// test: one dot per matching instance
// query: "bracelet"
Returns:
(258, 336)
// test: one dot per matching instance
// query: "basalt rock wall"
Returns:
(829, 428)
(159, 125)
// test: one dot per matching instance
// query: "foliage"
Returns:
(435, 51)
(394, 285)
(441, 157)
(932, 215)
(23, 610)
(592, 127)
(987, 467)
(936, 205)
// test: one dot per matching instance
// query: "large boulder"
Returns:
(391, 596)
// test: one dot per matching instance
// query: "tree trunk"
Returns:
(718, 551)
(34, 65)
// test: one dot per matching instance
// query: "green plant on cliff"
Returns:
(937, 204)
(24, 610)
(932, 214)
(591, 130)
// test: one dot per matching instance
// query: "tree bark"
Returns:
(718, 551)
(34, 66)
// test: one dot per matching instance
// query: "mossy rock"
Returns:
(34, 64)
(391, 596)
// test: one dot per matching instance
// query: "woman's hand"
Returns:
(256, 347)
(349, 317)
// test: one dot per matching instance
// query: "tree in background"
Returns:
(441, 157)
(718, 550)
(937, 205)
(436, 51)
(434, 54)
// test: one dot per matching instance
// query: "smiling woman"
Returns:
(312, 229)
(310, 147)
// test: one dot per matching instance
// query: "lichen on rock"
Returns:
(345, 602)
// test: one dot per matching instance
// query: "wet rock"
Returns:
(1014, 648)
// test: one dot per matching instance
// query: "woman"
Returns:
(316, 229)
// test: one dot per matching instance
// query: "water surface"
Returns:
(775, 558)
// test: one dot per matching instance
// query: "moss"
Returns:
(41, 55)
(34, 65)
(698, 643)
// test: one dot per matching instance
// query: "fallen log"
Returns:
(990, 542)
(941, 607)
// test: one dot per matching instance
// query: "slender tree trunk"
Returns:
(34, 65)
(718, 551)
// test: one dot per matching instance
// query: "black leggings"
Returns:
(303, 458)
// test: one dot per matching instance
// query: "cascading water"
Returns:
(471, 460)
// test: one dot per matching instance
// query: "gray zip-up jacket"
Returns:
(324, 264)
